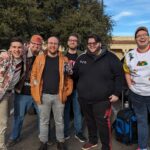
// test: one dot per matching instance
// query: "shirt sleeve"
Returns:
(125, 67)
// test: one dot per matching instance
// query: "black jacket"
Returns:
(98, 76)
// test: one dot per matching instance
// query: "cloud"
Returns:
(122, 14)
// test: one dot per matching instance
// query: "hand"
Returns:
(132, 82)
(4, 55)
(35, 82)
(113, 98)
(68, 68)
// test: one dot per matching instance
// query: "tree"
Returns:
(53, 17)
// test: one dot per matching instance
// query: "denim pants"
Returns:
(72, 99)
(22, 103)
(51, 102)
(141, 106)
(4, 110)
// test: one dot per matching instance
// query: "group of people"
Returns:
(52, 81)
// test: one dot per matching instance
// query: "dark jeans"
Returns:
(72, 99)
(141, 106)
(97, 116)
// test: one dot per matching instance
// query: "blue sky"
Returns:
(128, 15)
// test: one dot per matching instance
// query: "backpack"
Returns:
(125, 126)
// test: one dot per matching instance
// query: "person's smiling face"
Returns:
(142, 39)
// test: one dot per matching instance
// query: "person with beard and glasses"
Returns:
(50, 86)
(137, 74)
(10, 72)
(72, 54)
(23, 100)
(99, 73)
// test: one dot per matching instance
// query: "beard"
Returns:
(95, 52)
(73, 48)
(53, 53)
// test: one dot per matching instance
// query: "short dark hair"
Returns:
(16, 39)
(75, 35)
(94, 36)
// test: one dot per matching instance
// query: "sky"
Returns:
(127, 15)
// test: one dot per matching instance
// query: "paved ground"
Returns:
(30, 141)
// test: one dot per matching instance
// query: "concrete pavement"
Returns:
(30, 141)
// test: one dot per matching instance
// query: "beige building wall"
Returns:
(122, 44)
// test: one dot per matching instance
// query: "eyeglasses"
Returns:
(92, 43)
(141, 36)
(51, 43)
(70, 40)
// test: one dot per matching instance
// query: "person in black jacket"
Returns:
(99, 74)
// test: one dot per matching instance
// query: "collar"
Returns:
(145, 51)
(29, 53)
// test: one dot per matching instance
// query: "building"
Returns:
(122, 44)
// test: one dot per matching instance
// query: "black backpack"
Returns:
(125, 126)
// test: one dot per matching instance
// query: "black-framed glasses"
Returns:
(51, 43)
(71, 40)
(92, 43)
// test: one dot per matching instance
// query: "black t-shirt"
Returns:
(72, 57)
(51, 75)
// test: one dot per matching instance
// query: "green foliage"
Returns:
(53, 17)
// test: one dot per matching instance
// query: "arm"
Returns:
(75, 71)
(128, 78)
(4, 58)
(33, 77)
(130, 82)
(117, 71)
(4, 62)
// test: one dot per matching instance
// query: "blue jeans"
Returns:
(22, 103)
(72, 99)
(141, 106)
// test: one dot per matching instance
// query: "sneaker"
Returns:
(67, 137)
(43, 146)
(80, 137)
(12, 142)
(61, 146)
(88, 146)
